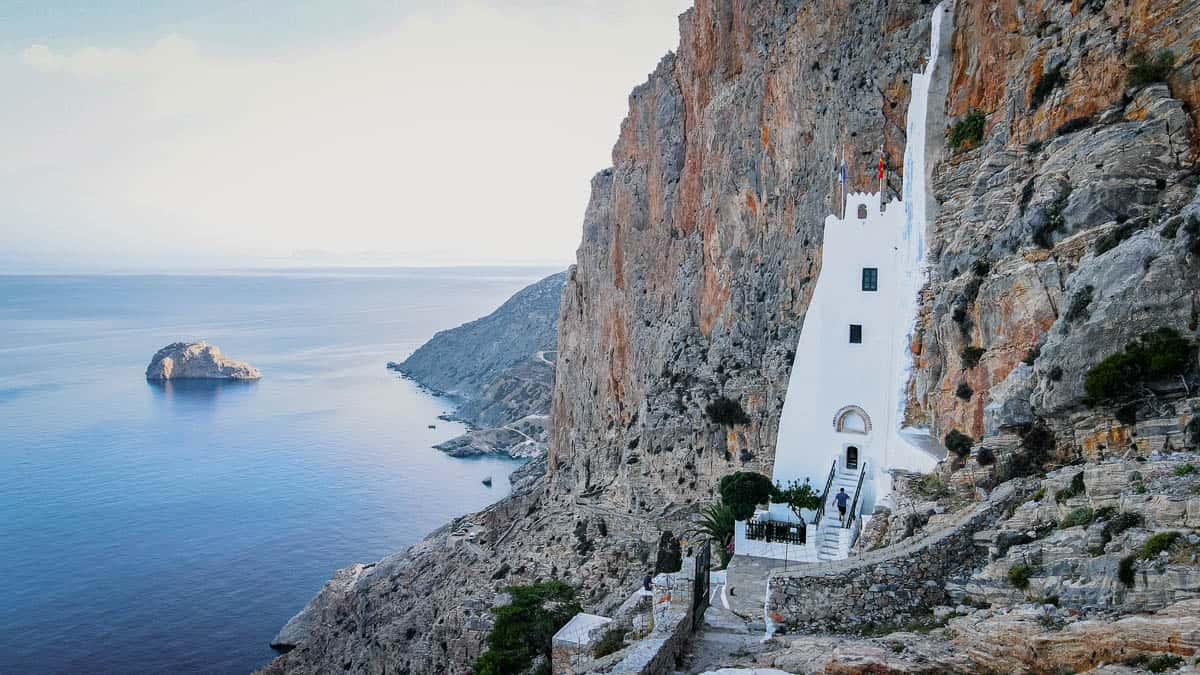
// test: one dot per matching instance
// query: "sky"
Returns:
(248, 133)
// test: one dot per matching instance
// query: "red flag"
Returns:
(882, 166)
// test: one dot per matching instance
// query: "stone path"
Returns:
(724, 640)
(746, 580)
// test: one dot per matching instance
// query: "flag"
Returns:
(842, 173)
(882, 165)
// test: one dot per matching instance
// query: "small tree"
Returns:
(798, 496)
(716, 522)
(743, 491)
(726, 411)
(525, 627)
(959, 443)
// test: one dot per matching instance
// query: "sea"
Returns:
(151, 528)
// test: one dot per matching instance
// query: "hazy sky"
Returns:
(236, 132)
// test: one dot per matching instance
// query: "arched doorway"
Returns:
(851, 457)
(852, 420)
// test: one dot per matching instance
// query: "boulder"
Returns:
(197, 361)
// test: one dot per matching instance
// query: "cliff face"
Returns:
(701, 244)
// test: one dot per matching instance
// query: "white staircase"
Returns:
(829, 531)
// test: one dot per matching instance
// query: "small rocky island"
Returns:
(197, 361)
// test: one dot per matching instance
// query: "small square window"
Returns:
(870, 279)
(855, 334)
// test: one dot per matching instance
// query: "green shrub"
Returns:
(1018, 575)
(726, 411)
(971, 355)
(1045, 86)
(1081, 516)
(524, 628)
(1126, 572)
(1126, 414)
(959, 443)
(1158, 543)
(1185, 470)
(968, 130)
(798, 496)
(1163, 662)
(1147, 69)
(613, 640)
(1075, 489)
(1108, 241)
(1140, 488)
(743, 491)
(1113, 526)
(1079, 304)
(1037, 496)
(981, 267)
(964, 391)
(931, 486)
(985, 456)
(1155, 355)
(1031, 355)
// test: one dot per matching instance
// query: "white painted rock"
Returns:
(197, 360)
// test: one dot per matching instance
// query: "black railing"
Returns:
(825, 494)
(700, 587)
(777, 531)
(857, 491)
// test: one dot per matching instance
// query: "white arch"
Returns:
(852, 419)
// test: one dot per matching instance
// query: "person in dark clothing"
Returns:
(841, 498)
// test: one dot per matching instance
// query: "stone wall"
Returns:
(892, 585)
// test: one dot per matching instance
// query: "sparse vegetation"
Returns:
(1126, 572)
(1113, 526)
(985, 456)
(1171, 228)
(1075, 489)
(1073, 125)
(967, 132)
(981, 267)
(1126, 414)
(613, 640)
(524, 627)
(1031, 355)
(1018, 575)
(959, 443)
(742, 491)
(1039, 495)
(1110, 240)
(931, 486)
(1045, 86)
(1157, 543)
(1081, 516)
(964, 391)
(726, 411)
(971, 356)
(1079, 304)
(1155, 355)
(1146, 69)
(1185, 469)
(1053, 220)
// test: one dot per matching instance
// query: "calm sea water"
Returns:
(148, 528)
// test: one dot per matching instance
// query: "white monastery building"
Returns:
(841, 422)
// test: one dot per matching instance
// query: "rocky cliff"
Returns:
(1062, 230)
(500, 367)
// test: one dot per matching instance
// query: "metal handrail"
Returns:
(857, 491)
(825, 496)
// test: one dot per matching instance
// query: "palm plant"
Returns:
(716, 522)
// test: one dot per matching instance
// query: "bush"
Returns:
(964, 391)
(1146, 69)
(1109, 241)
(981, 267)
(1018, 575)
(743, 491)
(1079, 304)
(931, 486)
(985, 456)
(1115, 525)
(524, 627)
(968, 130)
(1075, 489)
(959, 443)
(1163, 662)
(1155, 355)
(1073, 125)
(1126, 414)
(971, 355)
(612, 641)
(1185, 470)
(1125, 570)
(1031, 355)
(1037, 496)
(1080, 516)
(726, 411)
(1158, 543)
(1045, 86)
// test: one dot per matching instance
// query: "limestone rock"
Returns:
(197, 360)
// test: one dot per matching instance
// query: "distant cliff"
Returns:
(501, 367)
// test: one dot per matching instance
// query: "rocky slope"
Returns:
(500, 367)
(700, 247)
(197, 361)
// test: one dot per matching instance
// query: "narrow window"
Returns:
(862, 211)
(870, 279)
(855, 334)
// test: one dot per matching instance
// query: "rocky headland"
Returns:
(197, 361)
(500, 371)
(1064, 236)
